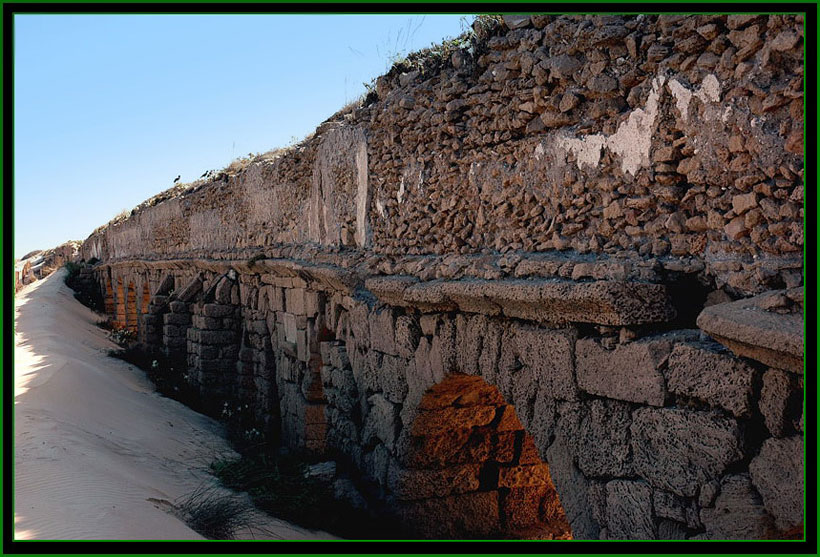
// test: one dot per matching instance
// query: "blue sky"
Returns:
(110, 109)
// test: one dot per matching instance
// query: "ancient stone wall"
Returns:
(514, 291)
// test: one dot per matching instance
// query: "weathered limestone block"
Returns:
(177, 319)
(383, 331)
(430, 422)
(443, 349)
(470, 331)
(407, 336)
(376, 463)
(390, 290)
(177, 306)
(218, 310)
(392, 379)
(629, 510)
(547, 356)
(668, 505)
(671, 530)
(777, 473)
(750, 331)
(738, 513)
(190, 291)
(222, 293)
(706, 374)
(679, 450)
(572, 489)
(631, 372)
(778, 399)
(295, 301)
(550, 301)
(381, 421)
(204, 322)
(420, 484)
(598, 432)
(457, 516)
(523, 476)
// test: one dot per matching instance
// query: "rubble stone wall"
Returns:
(598, 217)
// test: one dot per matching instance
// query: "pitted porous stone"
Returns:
(190, 291)
(777, 472)
(549, 301)
(631, 372)
(380, 423)
(572, 489)
(547, 355)
(719, 379)
(383, 331)
(738, 513)
(678, 450)
(669, 505)
(598, 431)
(750, 331)
(421, 484)
(629, 511)
(777, 397)
(390, 289)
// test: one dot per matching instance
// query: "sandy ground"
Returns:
(98, 454)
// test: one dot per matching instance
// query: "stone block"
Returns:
(218, 337)
(470, 332)
(189, 292)
(471, 515)
(443, 350)
(206, 323)
(572, 487)
(392, 378)
(295, 301)
(428, 324)
(738, 513)
(302, 346)
(222, 292)
(777, 473)
(598, 432)
(407, 336)
(377, 463)
(520, 506)
(671, 530)
(289, 327)
(177, 319)
(779, 400)
(523, 476)
(381, 421)
(548, 355)
(382, 332)
(750, 331)
(179, 307)
(712, 376)
(409, 484)
(668, 505)
(678, 450)
(218, 310)
(629, 511)
(429, 422)
(631, 372)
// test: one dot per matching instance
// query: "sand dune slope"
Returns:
(97, 452)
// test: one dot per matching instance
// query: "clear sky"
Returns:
(110, 109)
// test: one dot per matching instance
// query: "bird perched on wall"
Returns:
(177, 179)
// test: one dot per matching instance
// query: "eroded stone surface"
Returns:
(679, 450)
(777, 472)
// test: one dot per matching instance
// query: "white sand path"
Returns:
(99, 454)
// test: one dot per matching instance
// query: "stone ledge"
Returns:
(752, 332)
(556, 302)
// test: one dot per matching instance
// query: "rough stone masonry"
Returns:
(555, 266)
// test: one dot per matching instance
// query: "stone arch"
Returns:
(108, 297)
(472, 470)
(146, 297)
(131, 307)
(119, 318)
